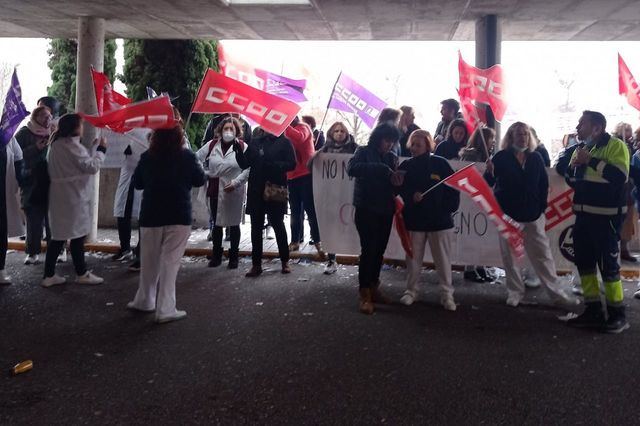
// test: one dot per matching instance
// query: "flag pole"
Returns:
(326, 110)
(444, 180)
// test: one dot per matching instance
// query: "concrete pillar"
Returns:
(488, 53)
(90, 52)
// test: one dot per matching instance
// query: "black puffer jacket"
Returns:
(166, 182)
(434, 212)
(270, 158)
(521, 191)
(373, 190)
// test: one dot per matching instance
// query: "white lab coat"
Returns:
(139, 143)
(15, 216)
(71, 169)
(226, 168)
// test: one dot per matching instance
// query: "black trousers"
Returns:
(54, 247)
(373, 229)
(36, 219)
(235, 237)
(276, 220)
(124, 224)
(301, 201)
(596, 242)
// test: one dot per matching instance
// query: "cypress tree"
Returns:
(173, 66)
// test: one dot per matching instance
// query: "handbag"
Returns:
(275, 193)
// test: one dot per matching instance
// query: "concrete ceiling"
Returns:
(327, 19)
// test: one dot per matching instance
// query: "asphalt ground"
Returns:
(293, 349)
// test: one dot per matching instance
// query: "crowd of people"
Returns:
(243, 171)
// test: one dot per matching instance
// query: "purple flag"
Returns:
(14, 111)
(349, 96)
(284, 87)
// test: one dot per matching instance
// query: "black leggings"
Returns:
(54, 247)
(234, 234)
(276, 220)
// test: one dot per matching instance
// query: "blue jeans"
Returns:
(301, 200)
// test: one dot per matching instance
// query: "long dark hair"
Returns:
(457, 123)
(166, 142)
(67, 126)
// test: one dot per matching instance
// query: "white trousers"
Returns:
(440, 245)
(161, 249)
(536, 247)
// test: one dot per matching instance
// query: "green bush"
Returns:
(63, 61)
(173, 66)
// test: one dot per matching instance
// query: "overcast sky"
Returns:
(419, 74)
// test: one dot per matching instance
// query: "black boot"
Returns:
(617, 321)
(216, 257)
(233, 258)
(592, 317)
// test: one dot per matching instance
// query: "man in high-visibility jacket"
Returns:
(597, 172)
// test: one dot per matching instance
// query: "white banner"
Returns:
(475, 240)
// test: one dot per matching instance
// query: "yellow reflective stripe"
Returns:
(608, 211)
(590, 286)
(600, 167)
(614, 292)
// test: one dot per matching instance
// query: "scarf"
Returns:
(37, 129)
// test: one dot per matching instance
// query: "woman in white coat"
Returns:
(71, 168)
(226, 188)
(11, 217)
(126, 204)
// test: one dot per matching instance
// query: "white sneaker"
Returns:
(513, 300)
(5, 279)
(63, 257)
(54, 280)
(448, 303)
(331, 267)
(532, 282)
(31, 260)
(89, 279)
(407, 299)
(133, 307)
(175, 317)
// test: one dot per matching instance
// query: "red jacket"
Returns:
(301, 138)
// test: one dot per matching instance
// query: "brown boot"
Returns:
(378, 297)
(366, 304)
(286, 269)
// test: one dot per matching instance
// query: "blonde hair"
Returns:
(508, 139)
(620, 130)
(431, 145)
(406, 111)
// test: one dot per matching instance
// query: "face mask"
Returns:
(228, 136)
(589, 141)
(520, 148)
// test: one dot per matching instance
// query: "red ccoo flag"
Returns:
(401, 229)
(107, 99)
(219, 94)
(469, 181)
(627, 85)
(474, 117)
(485, 86)
(156, 113)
